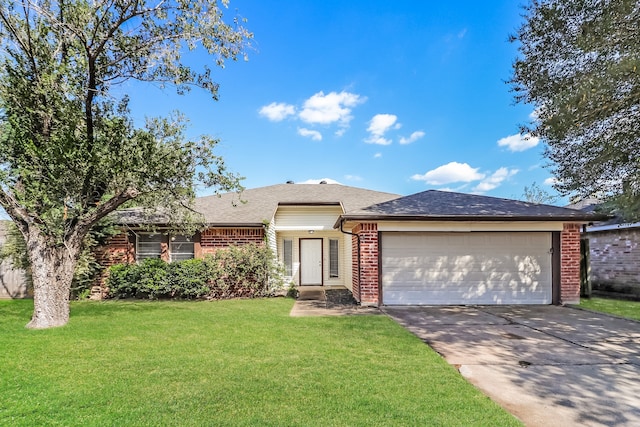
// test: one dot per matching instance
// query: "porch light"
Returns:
(311, 231)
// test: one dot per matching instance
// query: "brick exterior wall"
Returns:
(615, 260)
(366, 280)
(213, 239)
(570, 264)
(121, 248)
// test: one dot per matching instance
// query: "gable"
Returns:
(293, 218)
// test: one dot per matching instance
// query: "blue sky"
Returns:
(398, 96)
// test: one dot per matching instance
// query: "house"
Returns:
(614, 253)
(432, 247)
(295, 220)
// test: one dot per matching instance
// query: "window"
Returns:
(180, 248)
(149, 246)
(288, 257)
(333, 258)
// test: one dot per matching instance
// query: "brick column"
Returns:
(570, 264)
(365, 280)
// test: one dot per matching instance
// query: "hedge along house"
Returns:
(430, 248)
(294, 220)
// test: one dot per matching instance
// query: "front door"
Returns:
(310, 262)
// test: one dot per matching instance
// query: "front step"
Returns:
(339, 296)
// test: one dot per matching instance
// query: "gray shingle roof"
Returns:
(253, 206)
(258, 204)
(443, 205)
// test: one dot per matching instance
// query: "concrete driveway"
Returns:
(547, 365)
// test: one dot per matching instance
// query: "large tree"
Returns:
(69, 151)
(579, 65)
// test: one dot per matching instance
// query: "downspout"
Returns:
(358, 251)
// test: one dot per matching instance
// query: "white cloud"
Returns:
(330, 108)
(377, 155)
(451, 172)
(313, 134)
(353, 178)
(533, 116)
(519, 142)
(412, 138)
(318, 181)
(495, 179)
(277, 111)
(379, 125)
(550, 181)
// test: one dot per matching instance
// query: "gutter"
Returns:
(357, 236)
(621, 226)
(370, 218)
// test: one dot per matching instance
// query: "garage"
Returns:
(450, 268)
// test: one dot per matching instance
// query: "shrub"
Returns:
(240, 271)
(188, 279)
(153, 279)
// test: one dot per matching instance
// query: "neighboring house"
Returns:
(433, 247)
(614, 253)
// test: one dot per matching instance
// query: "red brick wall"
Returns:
(570, 264)
(213, 239)
(119, 250)
(365, 282)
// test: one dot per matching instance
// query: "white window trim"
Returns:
(288, 268)
(188, 240)
(139, 252)
(336, 260)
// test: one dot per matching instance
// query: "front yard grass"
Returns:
(237, 363)
(622, 308)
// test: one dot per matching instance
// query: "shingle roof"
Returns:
(253, 206)
(258, 204)
(443, 205)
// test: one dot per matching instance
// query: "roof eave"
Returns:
(560, 218)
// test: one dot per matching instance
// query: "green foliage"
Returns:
(188, 279)
(70, 152)
(87, 269)
(579, 65)
(535, 194)
(239, 271)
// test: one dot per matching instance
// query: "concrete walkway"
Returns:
(548, 365)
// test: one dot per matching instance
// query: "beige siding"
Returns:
(305, 218)
(344, 253)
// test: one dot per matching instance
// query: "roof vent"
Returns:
(323, 182)
(290, 182)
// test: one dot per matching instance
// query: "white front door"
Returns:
(310, 262)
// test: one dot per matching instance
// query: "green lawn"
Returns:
(242, 362)
(623, 308)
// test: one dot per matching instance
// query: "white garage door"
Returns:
(466, 268)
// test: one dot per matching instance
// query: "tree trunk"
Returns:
(52, 269)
